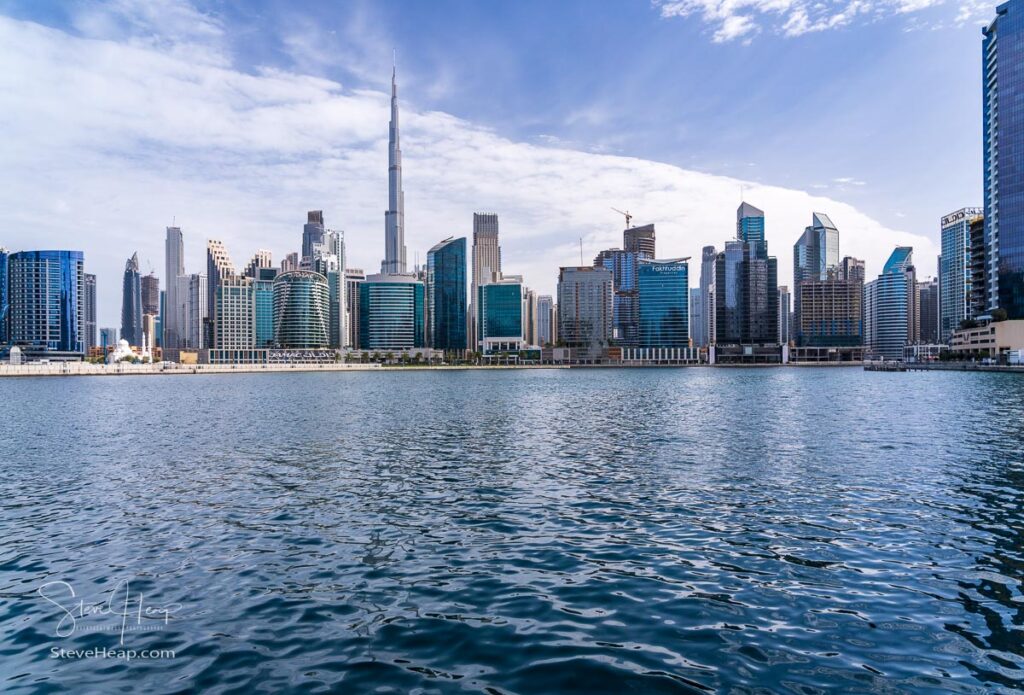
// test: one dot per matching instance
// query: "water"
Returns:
(605, 531)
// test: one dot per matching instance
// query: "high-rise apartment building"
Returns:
(46, 302)
(486, 261)
(545, 320)
(5, 307)
(150, 294)
(218, 269)
(785, 320)
(174, 267)
(131, 302)
(446, 295)
(709, 258)
(1003, 167)
(625, 303)
(890, 306)
(927, 331)
(697, 322)
(585, 314)
(978, 300)
(956, 270)
(263, 290)
(90, 312)
(353, 278)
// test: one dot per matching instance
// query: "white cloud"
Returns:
(107, 142)
(735, 19)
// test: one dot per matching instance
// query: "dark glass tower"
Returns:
(4, 302)
(446, 295)
(1003, 142)
(746, 285)
(131, 302)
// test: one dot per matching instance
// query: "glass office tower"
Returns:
(263, 287)
(664, 303)
(391, 313)
(302, 301)
(500, 316)
(446, 295)
(47, 300)
(4, 304)
(131, 302)
(1003, 172)
(955, 270)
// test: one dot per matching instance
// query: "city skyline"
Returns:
(327, 155)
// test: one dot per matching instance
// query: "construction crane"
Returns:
(629, 217)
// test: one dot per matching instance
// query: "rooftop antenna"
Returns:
(581, 252)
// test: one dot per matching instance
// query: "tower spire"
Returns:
(394, 218)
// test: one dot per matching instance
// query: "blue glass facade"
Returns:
(625, 306)
(746, 307)
(446, 295)
(131, 302)
(664, 290)
(263, 288)
(500, 311)
(1003, 157)
(391, 313)
(47, 300)
(4, 303)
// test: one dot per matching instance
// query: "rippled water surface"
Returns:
(603, 531)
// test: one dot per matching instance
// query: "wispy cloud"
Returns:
(743, 19)
(107, 140)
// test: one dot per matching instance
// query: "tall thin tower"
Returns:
(394, 218)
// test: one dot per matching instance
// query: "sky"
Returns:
(232, 120)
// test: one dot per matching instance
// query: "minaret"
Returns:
(394, 218)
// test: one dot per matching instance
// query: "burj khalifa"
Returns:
(394, 218)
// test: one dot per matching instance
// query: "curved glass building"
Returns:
(301, 310)
(391, 313)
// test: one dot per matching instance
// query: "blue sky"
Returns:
(545, 112)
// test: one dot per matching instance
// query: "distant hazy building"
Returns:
(90, 312)
(664, 292)
(697, 323)
(956, 278)
(131, 302)
(262, 259)
(585, 309)
(545, 320)
(640, 241)
(928, 312)
(150, 294)
(1003, 165)
(291, 262)
(329, 261)
(47, 302)
(192, 314)
(709, 258)
(500, 316)
(784, 315)
(301, 310)
(174, 268)
(890, 306)
(446, 295)
(108, 338)
(391, 313)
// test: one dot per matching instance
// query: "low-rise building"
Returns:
(990, 340)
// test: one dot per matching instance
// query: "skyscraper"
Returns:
(890, 306)
(218, 269)
(545, 320)
(927, 331)
(312, 234)
(5, 309)
(1003, 170)
(707, 295)
(815, 256)
(47, 301)
(234, 327)
(353, 278)
(486, 261)
(955, 270)
(90, 313)
(664, 295)
(978, 301)
(446, 295)
(746, 285)
(174, 267)
(625, 303)
(150, 294)
(394, 218)
(263, 289)
(585, 314)
(784, 315)
(131, 302)
(697, 323)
